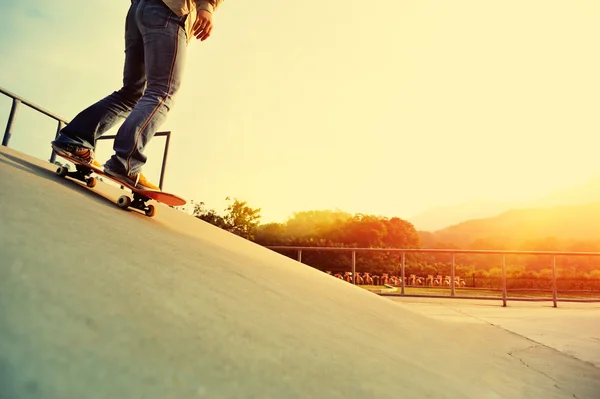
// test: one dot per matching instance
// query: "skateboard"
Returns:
(83, 173)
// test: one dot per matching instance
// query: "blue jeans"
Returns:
(155, 51)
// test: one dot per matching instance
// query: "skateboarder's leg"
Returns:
(97, 119)
(165, 46)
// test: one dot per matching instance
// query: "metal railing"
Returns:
(17, 101)
(554, 254)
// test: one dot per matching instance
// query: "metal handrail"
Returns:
(17, 100)
(32, 105)
(445, 251)
(453, 252)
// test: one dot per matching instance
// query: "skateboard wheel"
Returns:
(124, 201)
(91, 182)
(150, 211)
(62, 171)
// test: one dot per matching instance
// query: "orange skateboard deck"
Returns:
(140, 196)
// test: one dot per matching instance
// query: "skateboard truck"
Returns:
(82, 173)
(139, 202)
(140, 196)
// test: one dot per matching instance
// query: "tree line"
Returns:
(335, 228)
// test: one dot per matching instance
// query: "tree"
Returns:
(239, 218)
(364, 231)
(209, 216)
(271, 234)
(326, 228)
(400, 234)
(316, 223)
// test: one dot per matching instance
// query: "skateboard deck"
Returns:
(140, 197)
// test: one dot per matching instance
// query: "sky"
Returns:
(389, 107)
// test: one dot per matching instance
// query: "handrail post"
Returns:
(300, 255)
(58, 129)
(554, 288)
(403, 267)
(503, 281)
(452, 274)
(16, 100)
(164, 162)
(11, 120)
(354, 267)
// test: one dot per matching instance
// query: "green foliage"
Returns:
(239, 218)
(242, 220)
(317, 223)
(325, 228)
(270, 234)
(209, 216)
(331, 228)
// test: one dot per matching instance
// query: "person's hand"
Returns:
(203, 25)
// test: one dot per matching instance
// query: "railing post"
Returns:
(354, 267)
(9, 124)
(300, 255)
(58, 129)
(164, 162)
(452, 274)
(554, 287)
(504, 281)
(403, 267)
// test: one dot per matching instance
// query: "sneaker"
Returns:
(137, 180)
(142, 182)
(81, 154)
(96, 164)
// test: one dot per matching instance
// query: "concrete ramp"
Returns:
(97, 302)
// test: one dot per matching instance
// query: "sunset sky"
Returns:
(387, 107)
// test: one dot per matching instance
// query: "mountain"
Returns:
(440, 217)
(515, 227)
(436, 218)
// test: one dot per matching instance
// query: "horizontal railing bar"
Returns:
(399, 295)
(113, 136)
(487, 298)
(591, 300)
(16, 100)
(32, 105)
(578, 292)
(475, 289)
(447, 251)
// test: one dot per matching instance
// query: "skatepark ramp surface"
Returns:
(99, 302)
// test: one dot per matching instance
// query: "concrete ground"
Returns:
(571, 328)
(98, 302)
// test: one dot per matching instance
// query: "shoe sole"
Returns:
(62, 151)
(119, 176)
(128, 180)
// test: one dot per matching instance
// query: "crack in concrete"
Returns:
(523, 336)
(512, 354)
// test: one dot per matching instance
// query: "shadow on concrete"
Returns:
(49, 173)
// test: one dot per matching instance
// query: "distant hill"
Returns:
(440, 217)
(511, 228)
